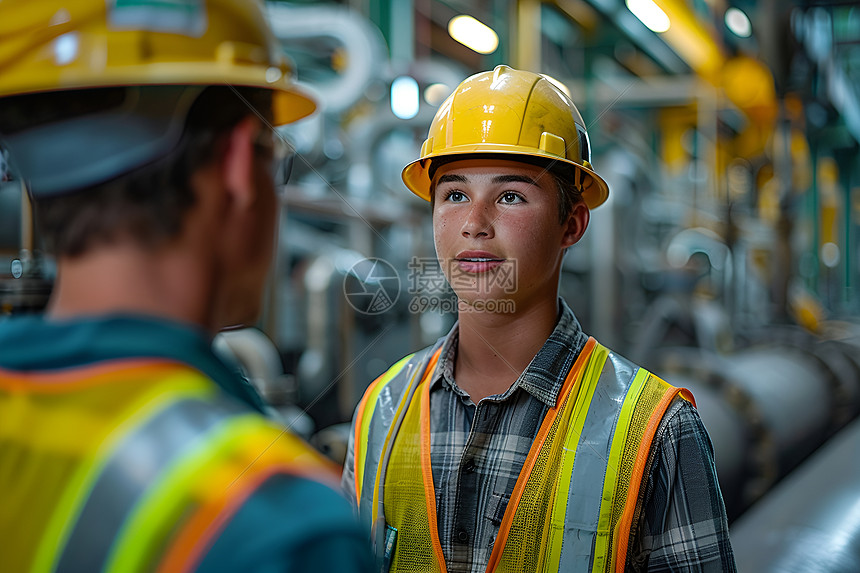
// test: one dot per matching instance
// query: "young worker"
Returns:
(144, 133)
(517, 442)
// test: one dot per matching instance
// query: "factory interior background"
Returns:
(726, 260)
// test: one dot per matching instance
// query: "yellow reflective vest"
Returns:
(128, 465)
(575, 500)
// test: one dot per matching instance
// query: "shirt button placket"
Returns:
(462, 536)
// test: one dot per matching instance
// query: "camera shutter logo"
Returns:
(371, 286)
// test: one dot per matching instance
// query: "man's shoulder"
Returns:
(680, 421)
(629, 365)
(291, 523)
(17, 334)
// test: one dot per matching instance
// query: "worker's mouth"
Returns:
(478, 261)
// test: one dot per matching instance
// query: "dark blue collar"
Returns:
(31, 343)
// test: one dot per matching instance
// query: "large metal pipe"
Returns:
(767, 407)
(730, 433)
(790, 392)
(811, 520)
(257, 358)
(362, 45)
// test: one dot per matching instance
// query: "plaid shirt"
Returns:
(477, 452)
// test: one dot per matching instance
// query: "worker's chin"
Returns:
(485, 303)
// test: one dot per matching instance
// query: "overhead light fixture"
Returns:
(738, 22)
(830, 254)
(436, 93)
(649, 14)
(473, 34)
(404, 97)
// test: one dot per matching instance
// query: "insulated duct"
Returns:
(359, 46)
(766, 407)
(811, 520)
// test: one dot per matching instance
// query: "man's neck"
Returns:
(128, 279)
(495, 348)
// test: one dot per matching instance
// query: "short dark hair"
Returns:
(147, 204)
(564, 174)
(569, 193)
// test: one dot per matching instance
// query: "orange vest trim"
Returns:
(67, 379)
(426, 467)
(198, 534)
(625, 523)
(549, 418)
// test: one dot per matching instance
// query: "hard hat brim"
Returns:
(292, 104)
(82, 157)
(290, 100)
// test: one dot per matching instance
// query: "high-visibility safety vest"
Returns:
(133, 465)
(575, 500)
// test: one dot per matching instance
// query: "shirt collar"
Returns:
(544, 377)
(30, 343)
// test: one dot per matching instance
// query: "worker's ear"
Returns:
(238, 166)
(576, 224)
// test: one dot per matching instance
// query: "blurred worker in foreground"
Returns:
(143, 131)
(517, 442)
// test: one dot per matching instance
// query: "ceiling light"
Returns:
(473, 34)
(738, 23)
(434, 94)
(649, 14)
(404, 97)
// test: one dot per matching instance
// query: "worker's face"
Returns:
(497, 231)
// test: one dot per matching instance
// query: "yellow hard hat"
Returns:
(509, 112)
(51, 45)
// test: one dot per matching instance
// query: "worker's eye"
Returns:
(511, 198)
(455, 196)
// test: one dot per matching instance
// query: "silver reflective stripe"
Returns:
(399, 389)
(589, 466)
(381, 419)
(421, 361)
(137, 463)
(383, 414)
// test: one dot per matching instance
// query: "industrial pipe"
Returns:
(811, 520)
(766, 407)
